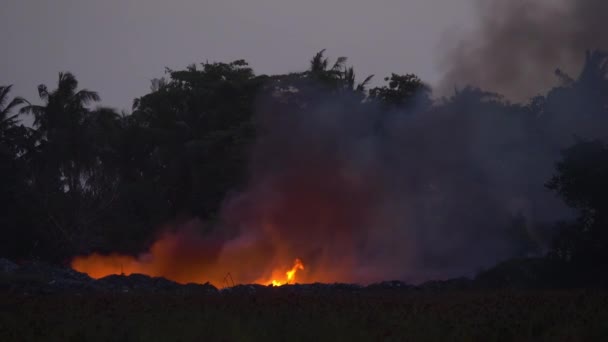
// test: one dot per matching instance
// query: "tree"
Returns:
(14, 213)
(402, 91)
(11, 136)
(582, 182)
(61, 160)
(59, 124)
(7, 119)
(199, 129)
(339, 77)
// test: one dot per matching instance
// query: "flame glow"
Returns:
(317, 215)
(187, 257)
(98, 266)
(290, 275)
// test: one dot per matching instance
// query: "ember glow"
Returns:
(98, 266)
(290, 276)
(186, 256)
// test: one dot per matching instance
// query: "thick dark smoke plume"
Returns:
(363, 195)
(517, 45)
(417, 194)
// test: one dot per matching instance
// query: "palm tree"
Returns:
(12, 137)
(60, 126)
(63, 106)
(348, 76)
(6, 119)
(339, 76)
(319, 63)
(65, 157)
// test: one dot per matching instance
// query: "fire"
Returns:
(186, 256)
(98, 266)
(291, 274)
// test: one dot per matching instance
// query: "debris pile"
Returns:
(44, 278)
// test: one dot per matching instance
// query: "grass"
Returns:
(480, 316)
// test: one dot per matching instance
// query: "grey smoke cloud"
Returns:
(362, 195)
(516, 46)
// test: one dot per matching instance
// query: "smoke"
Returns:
(362, 195)
(517, 45)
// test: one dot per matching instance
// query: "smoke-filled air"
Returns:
(516, 46)
(220, 175)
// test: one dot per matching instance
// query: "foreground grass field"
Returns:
(488, 316)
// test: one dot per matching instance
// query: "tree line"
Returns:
(87, 178)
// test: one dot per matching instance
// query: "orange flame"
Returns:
(186, 257)
(98, 266)
(291, 274)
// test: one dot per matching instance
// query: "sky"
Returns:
(116, 47)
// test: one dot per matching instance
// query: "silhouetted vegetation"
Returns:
(84, 178)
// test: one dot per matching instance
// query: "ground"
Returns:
(292, 316)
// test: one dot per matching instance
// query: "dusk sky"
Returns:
(116, 47)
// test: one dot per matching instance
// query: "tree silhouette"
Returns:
(7, 119)
(338, 77)
(61, 157)
(11, 136)
(581, 182)
(14, 213)
(88, 179)
(402, 91)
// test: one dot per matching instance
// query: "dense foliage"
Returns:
(86, 178)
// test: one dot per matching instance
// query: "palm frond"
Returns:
(43, 92)
(10, 121)
(339, 64)
(67, 83)
(37, 111)
(318, 63)
(106, 113)
(6, 110)
(85, 97)
(363, 85)
(32, 109)
(17, 101)
(136, 104)
(4, 94)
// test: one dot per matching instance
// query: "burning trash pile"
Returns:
(36, 278)
(186, 256)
